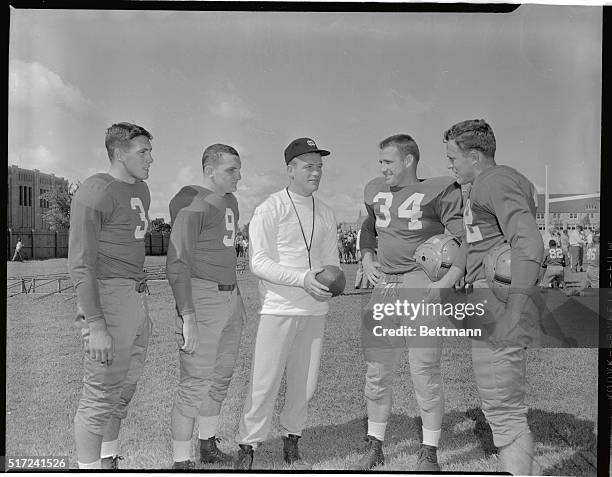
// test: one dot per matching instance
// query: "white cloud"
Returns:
(34, 158)
(254, 188)
(32, 85)
(407, 103)
(228, 105)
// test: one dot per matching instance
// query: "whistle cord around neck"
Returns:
(308, 245)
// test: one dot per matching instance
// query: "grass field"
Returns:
(44, 372)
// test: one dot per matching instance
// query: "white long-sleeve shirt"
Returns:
(574, 237)
(278, 253)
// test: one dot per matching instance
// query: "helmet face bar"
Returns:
(436, 255)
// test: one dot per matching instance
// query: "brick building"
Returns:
(24, 205)
(568, 214)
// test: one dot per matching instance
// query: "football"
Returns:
(333, 278)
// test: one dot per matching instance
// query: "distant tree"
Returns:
(58, 213)
(159, 225)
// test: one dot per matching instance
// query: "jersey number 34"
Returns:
(409, 209)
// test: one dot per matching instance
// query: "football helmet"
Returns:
(436, 255)
(497, 270)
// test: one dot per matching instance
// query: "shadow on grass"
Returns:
(563, 433)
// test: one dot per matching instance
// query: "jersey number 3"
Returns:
(230, 226)
(136, 204)
(409, 209)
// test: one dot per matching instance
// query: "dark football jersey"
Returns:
(405, 217)
(501, 208)
(555, 256)
(592, 256)
(108, 222)
(204, 226)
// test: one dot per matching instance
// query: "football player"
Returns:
(403, 212)
(500, 208)
(592, 260)
(201, 269)
(108, 222)
(554, 263)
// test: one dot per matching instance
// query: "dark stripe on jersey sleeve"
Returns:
(182, 199)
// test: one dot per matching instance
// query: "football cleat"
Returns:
(436, 255)
(110, 463)
(291, 454)
(498, 272)
(210, 453)
(244, 459)
(373, 456)
(427, 459)
(183, 465)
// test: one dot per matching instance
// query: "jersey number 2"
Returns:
(230, 226)
(472, 232)
(409, 209)
(136, 204)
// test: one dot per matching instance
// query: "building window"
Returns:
(29, 196)
(43, 202)
(20, 195)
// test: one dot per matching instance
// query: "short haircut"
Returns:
(119, 135)
(552, 243)
(404, 144)
(473, 134)
(212, 154)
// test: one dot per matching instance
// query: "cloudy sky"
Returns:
(257, 80)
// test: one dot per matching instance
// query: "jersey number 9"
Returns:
(230, 226)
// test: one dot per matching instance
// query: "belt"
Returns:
(226, 287)
(394, 278)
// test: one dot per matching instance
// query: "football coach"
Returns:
(292, 235)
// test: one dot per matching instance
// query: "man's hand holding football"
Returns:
(315, 288)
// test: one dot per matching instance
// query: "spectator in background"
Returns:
(245, 247)
(546, 237)
(18, 247)
(583, 245)
(564, 238)
(574, 248)
(555, 235)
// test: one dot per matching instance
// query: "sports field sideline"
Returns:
(44, 372)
